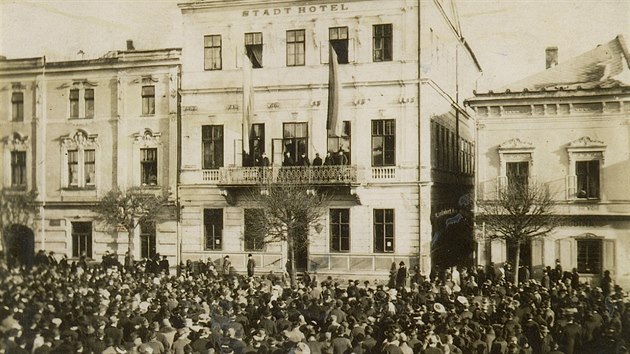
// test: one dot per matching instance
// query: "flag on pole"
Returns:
(248, 101)
(334, 88)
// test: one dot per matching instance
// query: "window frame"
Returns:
(519, 177)
(382, 42)
(78, 235)
(146, 163)
(299, 143)
(17, 106)
(148, 100)
(383, 238)
(216, 145)
(19, 176)
(253, 240)
(588, 176)
(74, 98)
(214, 58)
(583, 267)
(215, 235)
(148, 240)
(380, 133)
(334, 143)
(254, 41)
(339, 230)
(88, 102)
(257, 141)
(340, 42)
(294, 44)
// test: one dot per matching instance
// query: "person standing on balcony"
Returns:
(329, 161)
(264, 160)
(342, 159)
(317, 161)
(303, 160)
(288, 159)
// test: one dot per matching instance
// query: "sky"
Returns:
(509, 37)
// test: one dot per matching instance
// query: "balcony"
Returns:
(320, 175)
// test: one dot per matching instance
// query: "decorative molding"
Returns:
(316, 103)
(587, 142)
(190, 108)
(359, 101)
(16, 142)
(79, 138)
(232, 107)
(77, 83)
(18, 86)
(516, 144)
(147, 138)
(403, 100)
(273, 105)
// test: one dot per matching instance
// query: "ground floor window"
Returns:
(589, 256)
(147, 240)
(339, 230)
(383, 230)
(82, 239)
(254, 236)
(213, 227)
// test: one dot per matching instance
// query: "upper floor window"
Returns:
(212, 52)
(149, 166)
(517, 174)
(213, 228)
(382, 42)
(296, 46)
(17, 106)
(254, 236)
(295, 142)
(257, 143)
(74, 103)
(77, 108)
(212, 146)
(587, 173)
(383, 230)
(81, 168)
(341, 143)
(340, 230)
(383, 142)
(148, 100)
(254, 48)
(338, 37)
(18, 169)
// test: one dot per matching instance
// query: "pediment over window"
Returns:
(16, 141)
(79, 138)
(147, 137)
(146, 80)
(587, 142)
(516, 144)
(588, 235)
(78, 83)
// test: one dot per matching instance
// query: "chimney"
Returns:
(130, 45)
(551, 57)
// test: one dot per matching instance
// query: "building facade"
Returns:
(405, 154)
(567, 128)
(74, 130)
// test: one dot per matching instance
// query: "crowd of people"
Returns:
(67, 307)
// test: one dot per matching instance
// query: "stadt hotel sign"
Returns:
(295, 10)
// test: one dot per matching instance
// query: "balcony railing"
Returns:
(320, 175)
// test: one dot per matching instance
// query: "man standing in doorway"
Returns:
(251, 265)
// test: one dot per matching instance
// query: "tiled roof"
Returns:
(606, 66)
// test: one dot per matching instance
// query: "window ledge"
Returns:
(586, 201)
(79, 118)
(148, 115)
(91, 188)
(153, 187)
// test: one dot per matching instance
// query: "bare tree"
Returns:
(285, 214)
(128, 209)
(521, 212)
(16, 208)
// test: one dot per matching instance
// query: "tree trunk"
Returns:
(517, 262)
(130, 247)
(291, 256)
(3, 241)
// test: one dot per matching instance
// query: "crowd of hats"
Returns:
(97, 309)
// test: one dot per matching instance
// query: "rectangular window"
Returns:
(82, 239)
(17, 106)
(383, 142)
(88, 96)
(296, 44)
(147, 240)
(254, 48)
(382, 42)
(148, 100)
(89, 172)
(295, 142)
(517, 174)
(213, 228)
(341, 143)
(587, 173)
(340, 230)
(73, 168)
(149, 166)
(212, 146)
(254, 230)
(338, 37)
(18, 168)
(257, 142)
(74, 103)
(383, 230)
(212, 52)
(589, 257)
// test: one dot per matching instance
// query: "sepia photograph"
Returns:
(314, 176)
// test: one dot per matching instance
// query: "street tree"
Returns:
(16, 208)
(129, 208)
(522, 211)
(285, 213)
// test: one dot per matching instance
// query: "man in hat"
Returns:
(251, 265)
(227, 264)
(401, 275)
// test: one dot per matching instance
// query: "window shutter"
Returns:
(238, 152)
(571, 182)
(351, 50)
(238, 51)
(501, 184)
(323, 51)
(608, 256)
(537, 257)
(566, 253)
(276, 147)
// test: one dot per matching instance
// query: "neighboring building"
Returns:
(404, 69)
(74, 130)
(566, 127)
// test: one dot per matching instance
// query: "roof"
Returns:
(606, 66)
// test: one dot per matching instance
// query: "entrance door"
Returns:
(20, 243)
(525, 257)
